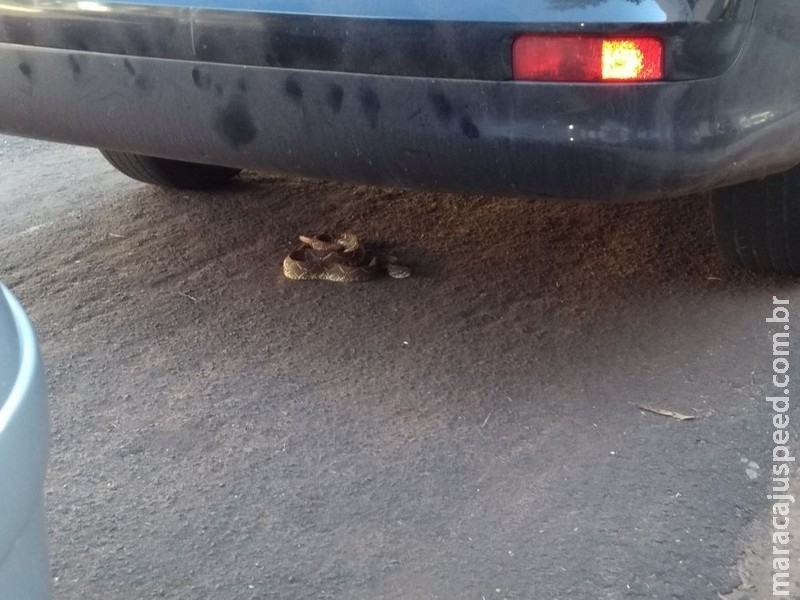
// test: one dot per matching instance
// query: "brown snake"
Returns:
(341, 259)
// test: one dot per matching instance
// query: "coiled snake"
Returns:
(341, 259)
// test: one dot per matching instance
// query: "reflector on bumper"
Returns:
(579, 58)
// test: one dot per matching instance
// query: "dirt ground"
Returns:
(473, 432)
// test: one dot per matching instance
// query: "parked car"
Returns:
(606, 100)
(24, 445)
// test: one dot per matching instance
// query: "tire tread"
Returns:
(169, 173)
(757, 223)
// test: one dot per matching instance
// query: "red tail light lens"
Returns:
(587, 58)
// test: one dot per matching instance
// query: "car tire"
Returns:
(757, 223)
(169, 173)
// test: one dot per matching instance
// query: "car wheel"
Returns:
(757, 224)
(169, 173)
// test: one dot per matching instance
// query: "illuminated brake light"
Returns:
(587, 58)
(639, 59)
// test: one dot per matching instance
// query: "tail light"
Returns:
(587, 58)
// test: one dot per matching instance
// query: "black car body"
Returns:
(414, 95)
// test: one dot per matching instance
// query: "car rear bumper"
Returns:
(416, 128)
